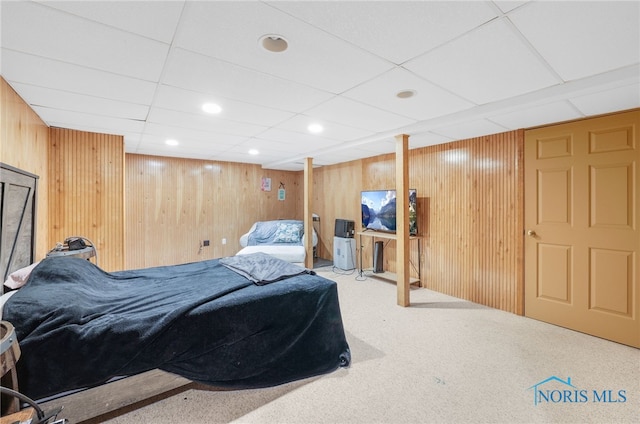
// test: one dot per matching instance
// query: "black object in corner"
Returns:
(344, 228)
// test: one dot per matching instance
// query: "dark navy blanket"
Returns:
(79, 326)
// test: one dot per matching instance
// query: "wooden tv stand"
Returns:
(390, 276)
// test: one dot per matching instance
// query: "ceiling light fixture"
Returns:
(315, 128)
(171, 142)
(405, 94)
(253, 152)
(273, 43)
(211, 108)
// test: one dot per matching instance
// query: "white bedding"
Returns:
(294, 254)
(264, 239)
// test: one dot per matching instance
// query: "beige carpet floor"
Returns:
(442, 360)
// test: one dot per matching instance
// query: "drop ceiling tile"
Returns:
(39, 71)
(63, 100)
(164, 132)
(429, 101)
(287, 167)
(262, 145)
(488, 64)
(169, 151)
(470, 129)
(294, 138)
(191, 102)
(427, 139)
(39, 30)
(87, 122)
(151, 143)
(265, 153)
(354, 114)
(203, 146)
(196, 72)
(131, 16)
(131, 140)
(538, 115)
(305, 61)
(507, 5)
(397, 31)
(130, 145)
(343, 155)
(242, 156)
(299, 124)
(271, 151)
(573, 36)
(91, 128)
(376, 147)
(621, 98)
(202, 122)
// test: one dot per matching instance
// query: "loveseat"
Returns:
(282, 238)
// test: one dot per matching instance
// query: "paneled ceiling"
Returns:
(143, 69)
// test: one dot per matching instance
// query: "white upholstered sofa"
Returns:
(283, 239)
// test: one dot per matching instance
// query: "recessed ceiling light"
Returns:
(405, 94)
(273, 43)
(253, 152)
(172, 142)
(211, 108)
(315, 128)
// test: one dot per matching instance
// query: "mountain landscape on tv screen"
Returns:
(379, 210)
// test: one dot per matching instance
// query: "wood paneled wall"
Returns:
(24, 140)
(473, 234)
(174, 204)
(86, 191)
(470, 215)
(336, 194)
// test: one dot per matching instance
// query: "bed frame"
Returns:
(18, 195)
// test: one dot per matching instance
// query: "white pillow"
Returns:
(19, 277)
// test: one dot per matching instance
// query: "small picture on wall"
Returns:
(266, 184)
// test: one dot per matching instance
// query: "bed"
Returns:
(79, 326)
(245, 321)
(283, 239)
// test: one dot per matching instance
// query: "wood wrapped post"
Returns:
(402, 218)
(308, 221)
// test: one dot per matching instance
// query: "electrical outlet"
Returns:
(205, 243)
(224, 241)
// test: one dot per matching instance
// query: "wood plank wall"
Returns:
(474, 247)
(174, 204)
(336, 194)
(470, 214)
(24, 140)
(86, 191)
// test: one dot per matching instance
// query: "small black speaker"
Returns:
(344, 228)
(378, 257)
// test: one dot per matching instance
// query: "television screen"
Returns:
(379, 210)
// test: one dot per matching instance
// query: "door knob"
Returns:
(531, 233)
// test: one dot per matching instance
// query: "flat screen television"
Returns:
(379, 211)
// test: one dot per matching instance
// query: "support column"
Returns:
(402, 218)
(308, 221)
